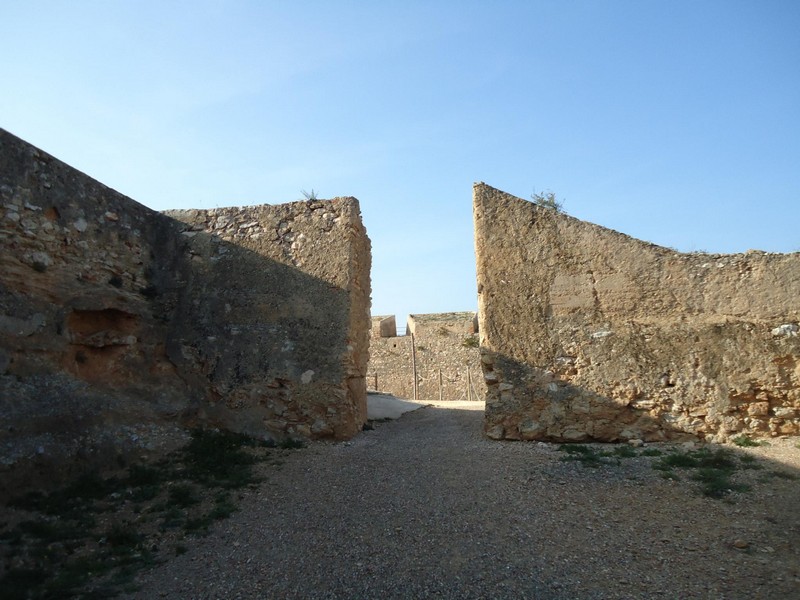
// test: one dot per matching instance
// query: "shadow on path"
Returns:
(426, 507)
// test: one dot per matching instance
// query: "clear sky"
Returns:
(674, 121)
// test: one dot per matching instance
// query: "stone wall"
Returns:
(277, 315)
(444, 348)
(588, 334)
(120, 325)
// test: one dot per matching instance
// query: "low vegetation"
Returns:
(714, 470)
(89, 538)
(744, 441)
(547, 200)
(470, 342)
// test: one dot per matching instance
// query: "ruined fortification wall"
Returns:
(277, 315)
(390, 368)
(588, 334)
(120, 324)
(445, 349)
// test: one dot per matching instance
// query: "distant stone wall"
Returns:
(121, 325)
(588, 334)
(445, 351)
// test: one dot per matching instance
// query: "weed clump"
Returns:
(714, 470)
(744, 441)
(219, 459)
(470, 342)
(590, 457)
(291, 444)
(547, 200)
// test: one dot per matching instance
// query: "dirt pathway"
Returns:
(425, 507)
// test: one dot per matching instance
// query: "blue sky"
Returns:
(673, 121)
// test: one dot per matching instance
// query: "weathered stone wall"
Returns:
(89, 281)
(120, 324)
(384, 326)
(588, 334)
(277, 315)
(445, 348)
(390, 368)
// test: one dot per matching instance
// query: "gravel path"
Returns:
(425, 507)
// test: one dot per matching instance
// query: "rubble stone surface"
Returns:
(588, 334)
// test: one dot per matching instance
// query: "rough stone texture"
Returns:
(445, 343)
(384, 327)
(588, 334)
(120, 324)
(277, 315)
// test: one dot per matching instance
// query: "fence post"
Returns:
(414, 365)
(440, 385)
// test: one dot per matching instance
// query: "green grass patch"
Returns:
(220, 459)
(744, 441)
(183, 495)
(624, 451)
(713, 469)
(292, 444)
(717, 483)
(171, 518)
(51, 531)
(672, 461)
(585, 455)
(88, 539)
(223, 508)
(592, 457)
(652, 452)
(669, 475)
(198, 525)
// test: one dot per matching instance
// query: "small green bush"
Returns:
(714, 470)
(547, 200)
(651, 452)
(292, 444)
(587, 456)
(624, 452)
(717, 483)
(744, 441)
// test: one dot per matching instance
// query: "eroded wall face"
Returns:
(588, 334)
(119, 325)
(445, 351)
(277, 315)
(89, 281)
(390, 370)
